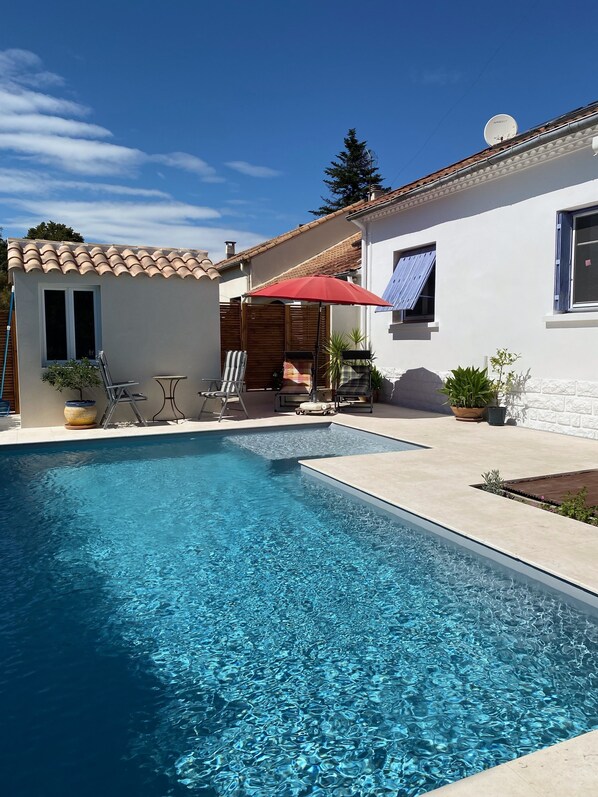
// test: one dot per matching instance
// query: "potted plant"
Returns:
(75, 375)
(468, 391)
(377, 382)
(502, 385)
(337, 343)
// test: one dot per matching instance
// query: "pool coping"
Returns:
(435, 435)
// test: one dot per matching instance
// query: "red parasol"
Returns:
(324, 290)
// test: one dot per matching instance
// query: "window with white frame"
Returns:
(70, 328)
(412, 287)
(576, 276)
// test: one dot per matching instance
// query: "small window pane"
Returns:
(586, 228)
(85, 335)
(55, 313)
(424, 307)
(585, 273)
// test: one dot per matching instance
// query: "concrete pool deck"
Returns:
(435, 483)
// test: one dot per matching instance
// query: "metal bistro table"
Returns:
(168, 393)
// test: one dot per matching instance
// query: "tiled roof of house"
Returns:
(503, 149)
(338, 259)
(247, 254)
(67, 258)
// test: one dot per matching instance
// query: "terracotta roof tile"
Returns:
(247, 254)
(338, 259)
(65, 257)
(578, 115)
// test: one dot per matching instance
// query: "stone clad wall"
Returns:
(560, 405)
(565, 406)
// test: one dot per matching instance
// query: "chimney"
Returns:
(375, 192)
(230, 248)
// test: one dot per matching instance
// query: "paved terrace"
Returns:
(435, 483)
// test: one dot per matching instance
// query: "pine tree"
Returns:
(351, 175)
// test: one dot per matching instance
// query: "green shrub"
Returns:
(493, 482)
(336, 344)
(468, 387)
(72, 375)
(503, 379)
(574, 505)
(377, 379)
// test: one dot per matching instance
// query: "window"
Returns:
(423, 309)
(70, 323)
(576, 274)
(412, 287)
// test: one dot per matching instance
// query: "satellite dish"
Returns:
(500, 128)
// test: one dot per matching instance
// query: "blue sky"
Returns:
(192, 122)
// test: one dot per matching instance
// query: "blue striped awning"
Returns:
(408, 278)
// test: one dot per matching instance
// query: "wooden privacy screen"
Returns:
(266, 331)
(11, 388)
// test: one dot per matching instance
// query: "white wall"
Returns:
(148, 326)
(273, 262)
(233, 284)
(494, 288)
(344, 318)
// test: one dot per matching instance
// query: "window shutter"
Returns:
(562, 271)
(408, 278)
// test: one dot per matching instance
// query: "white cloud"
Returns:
(253, 171)
(35, 183)
(107, 211)
(52, 125)
(76, 155)
(16, 100)
(44, 132)
(110, 188)
(189, 163)
(154, 224)
(25, 67)
(38, 126)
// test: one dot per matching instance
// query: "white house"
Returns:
(153, 311)
(498, 250)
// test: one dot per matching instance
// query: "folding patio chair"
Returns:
(231, 385)
(354, 390)
(297, 378)
(118, 393)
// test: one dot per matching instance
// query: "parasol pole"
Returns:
(314, 384)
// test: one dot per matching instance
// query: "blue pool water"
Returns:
(193, 617)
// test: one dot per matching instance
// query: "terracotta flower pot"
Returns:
(471, 414)
(80, 414)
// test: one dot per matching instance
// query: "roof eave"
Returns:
(522, 146)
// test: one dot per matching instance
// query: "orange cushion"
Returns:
(297, 373)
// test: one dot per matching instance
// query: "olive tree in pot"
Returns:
(468, 391)
(503, 381)
(75, 375)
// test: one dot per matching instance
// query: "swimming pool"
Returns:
(191, 616)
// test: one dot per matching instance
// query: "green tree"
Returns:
(351, 175)
(46, 231)
(52, 231)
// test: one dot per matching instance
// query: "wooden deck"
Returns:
(553, 489)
